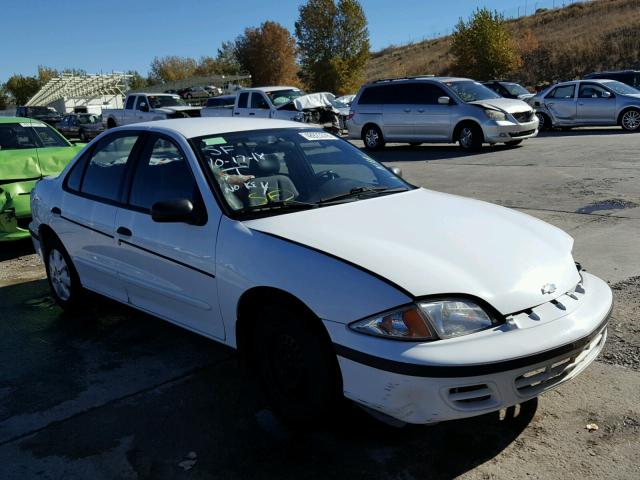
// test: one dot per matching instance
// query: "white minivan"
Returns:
(332, 275)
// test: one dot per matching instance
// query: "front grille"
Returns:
(472, 397)
(535, 381)
(23, 222)
(524, 117)
(521, 134)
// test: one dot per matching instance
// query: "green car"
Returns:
(29, 150)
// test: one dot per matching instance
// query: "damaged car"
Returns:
(29, 150)
(143, 107)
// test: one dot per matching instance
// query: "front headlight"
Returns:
(428, 320)
(495, 115)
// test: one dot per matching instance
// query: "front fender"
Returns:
(333, 289)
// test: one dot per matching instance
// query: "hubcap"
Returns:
(631, 120)
(59, 275)
(466, 137)
(372, 138)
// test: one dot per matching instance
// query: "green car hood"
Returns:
(35, 162)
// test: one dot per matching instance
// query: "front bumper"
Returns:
(410, 386)
(507, 131)
(15, 210)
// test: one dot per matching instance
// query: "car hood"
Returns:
(32, 163)
(510, 105)
(431, 243)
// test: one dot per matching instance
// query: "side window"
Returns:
(591, 90)
(141, 99)
(130, 102)
(242, 101)
(565, 91)
(424, 93)
(105, 171)
(162, 174)
(371, 95)
(395, 94)
(258, 101)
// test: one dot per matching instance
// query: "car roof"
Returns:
(197, 127)
(270, 89)
(18, 120)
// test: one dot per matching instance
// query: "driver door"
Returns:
(259, 106)
(596, 104)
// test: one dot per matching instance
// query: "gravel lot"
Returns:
(117, 394)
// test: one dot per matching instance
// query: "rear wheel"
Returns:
(298, 370)
(630, 120)
(61, 275)
(470, 137)
(372, 137)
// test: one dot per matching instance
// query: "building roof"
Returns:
(66, 86)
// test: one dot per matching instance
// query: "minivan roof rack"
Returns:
(402, 78)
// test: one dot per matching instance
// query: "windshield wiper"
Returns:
(279, 205)
(360, 191)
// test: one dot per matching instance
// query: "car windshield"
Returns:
(275, 171)
(160, 101)
(88, 119)
(471, 91)
(280, 97)
(621, 88)
(515, 89)
(16, 136)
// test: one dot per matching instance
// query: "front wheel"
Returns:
(544, 122)
(630, 120)
(372, 138)
(470, 137)
(62, 276)
(297, 368)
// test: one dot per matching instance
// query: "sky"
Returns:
(116, 35)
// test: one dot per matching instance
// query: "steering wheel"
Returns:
(327, 175)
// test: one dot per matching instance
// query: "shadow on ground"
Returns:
(19, 248)
(158, 392)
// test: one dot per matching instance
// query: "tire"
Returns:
(62, 276)
(83, 136)
(630, 120)
(545, 122)
(513, 143)
(111, 123)
(372, 137)
(297, 368)
(188, 95)
(470, 137)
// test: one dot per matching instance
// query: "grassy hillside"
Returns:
(558, 44)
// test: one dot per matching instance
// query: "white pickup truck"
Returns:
(282, 103)
(143, 107)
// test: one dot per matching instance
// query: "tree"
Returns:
(172, 68)
(483, 47)
(22, 88)
(4, 100)
(227, 59)
(333, 41)
(46, 73)
(268, 53)
(137, 81)
(207, 66)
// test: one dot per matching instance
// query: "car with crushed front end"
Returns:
(331, 275)
(438, 110)
(29, 150)
(581, 103)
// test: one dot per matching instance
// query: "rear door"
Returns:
(596, 105)
(168, 268)
(432, 120)
(398, 112)
(86, 214)
(561, 103)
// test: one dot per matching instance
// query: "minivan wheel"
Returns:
(297, 370)
(630, 120)
(470, 137)
(372, 138)
(61, 275)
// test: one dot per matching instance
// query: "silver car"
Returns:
(588, 102)
(438, 109)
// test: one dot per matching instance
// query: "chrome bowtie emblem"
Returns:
(548, 288)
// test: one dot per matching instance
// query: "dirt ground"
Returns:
(113, 393)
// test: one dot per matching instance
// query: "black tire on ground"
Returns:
(545, 122)
(513, 143)
(470, 137)
(111, 123)
(297, 367)
(61, 274)
(372, 137)
(630, 120)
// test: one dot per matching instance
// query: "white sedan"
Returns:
(330, 274)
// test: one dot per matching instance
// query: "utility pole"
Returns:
(525, 8)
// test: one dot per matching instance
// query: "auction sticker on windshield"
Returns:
(317, 136)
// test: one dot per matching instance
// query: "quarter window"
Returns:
(162, 174)
(565, 91)
(105, 171)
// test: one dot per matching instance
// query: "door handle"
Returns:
(580, 103)
(236, 113)
(56, 211)
(124, 231)
(551, 104)
(251, 113)
(421, 110)
(407, 110)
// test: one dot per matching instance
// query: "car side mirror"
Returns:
(174, 211)
(444, 100)
(606, 94)
(143, 107)
(397, 171)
